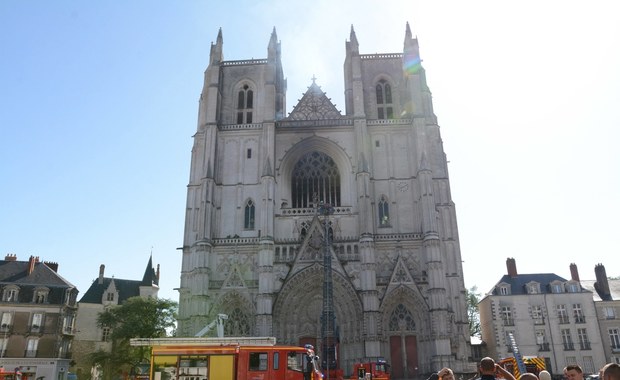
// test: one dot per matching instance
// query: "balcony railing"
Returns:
(585, 345)
(508, 321)
(563, 319)
(543, 347)
(569, 346)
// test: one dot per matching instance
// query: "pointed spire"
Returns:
(411, 57)
(352, 45)
(149, 277)
(273, 47)
(407, 32)
(216, 55)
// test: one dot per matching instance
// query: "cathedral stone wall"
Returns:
(254, 245)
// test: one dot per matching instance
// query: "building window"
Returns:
(105, 334)
(67, 326)
(315, 174)
(10, 294)
(588, 365)
(567, 340)
(584, 342)
(384, 100)
(571, 360)
(533, 288)
(31, 347)
(573, 288)
(541, 340)
(7, 321)
(36, 323)
(506, 314)
(503, 290)
(537, 315)
(40, 295)
(556, 288)
(609, 313)
(3, 343)
(401, 319)
(245, 104)
(614, 337)
(384, 212)
(578, 313)
(249, 153)
(248, 220)
(562, 313)
(109, 296)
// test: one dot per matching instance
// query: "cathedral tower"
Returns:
(253, 237)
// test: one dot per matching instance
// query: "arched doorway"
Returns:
(403, 343)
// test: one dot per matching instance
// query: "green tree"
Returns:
(473, 297)
(137, 317)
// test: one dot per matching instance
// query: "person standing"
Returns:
(573, 372)
(489, 370)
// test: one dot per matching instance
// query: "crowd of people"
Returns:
(489, 370)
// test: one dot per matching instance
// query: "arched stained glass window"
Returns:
(315, 174)
(238, 324)
(401, 319)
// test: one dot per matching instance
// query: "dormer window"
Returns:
(40, 295)
(384, 100)
(245, 105)
(10, 293)
(503, 289)
(556, 288)
(572, 287)
(109, 296)
(533, 288)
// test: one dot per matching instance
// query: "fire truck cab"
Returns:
(376, 370)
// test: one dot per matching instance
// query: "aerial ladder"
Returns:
(219, 322)
(517, 354)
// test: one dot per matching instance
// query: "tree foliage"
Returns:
(137, 317)
(473, 297)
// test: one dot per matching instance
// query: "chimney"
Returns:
(101, 270)
(574, 274)
(51, 265)
(10, 257)
(511, 265)
(31, 261)
(602, 285)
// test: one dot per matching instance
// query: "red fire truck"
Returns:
(229, 359)
(376, 370)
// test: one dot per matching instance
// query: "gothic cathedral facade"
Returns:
(254, 242)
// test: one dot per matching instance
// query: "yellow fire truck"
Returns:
(533, 364)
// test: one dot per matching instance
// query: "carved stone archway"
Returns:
(297, 311)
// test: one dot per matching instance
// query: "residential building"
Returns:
(103, 293)
(37, 313)
(548, 316)
(606, 294)
(389, 281)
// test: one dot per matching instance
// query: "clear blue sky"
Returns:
(99, 102)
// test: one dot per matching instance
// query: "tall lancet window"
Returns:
(384, 212)
(384, 100)
(248, 220)
(315, 174)
(245, 104)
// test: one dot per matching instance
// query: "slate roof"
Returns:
(614, 289)
(126, 288)
(13, 272)
(518, 283)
